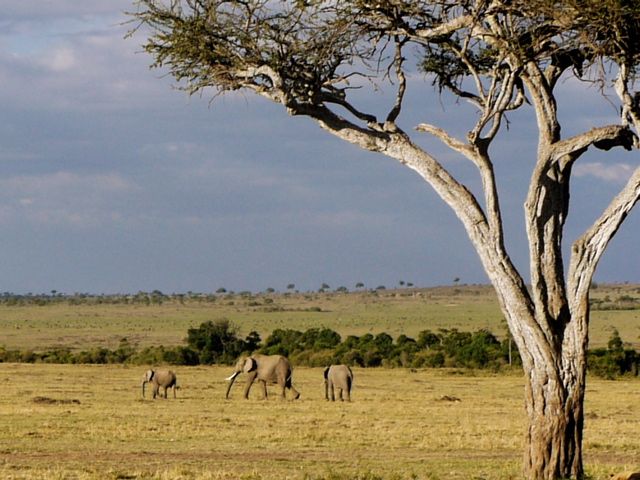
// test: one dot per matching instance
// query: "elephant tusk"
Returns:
(233, 375)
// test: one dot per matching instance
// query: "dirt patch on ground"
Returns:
(55, 401)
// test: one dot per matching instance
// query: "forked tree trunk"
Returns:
(554, 365)
(553, 352)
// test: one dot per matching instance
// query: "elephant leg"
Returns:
(340, 394)
(264, 390)
(174, 391)
(155, 390)
(332, 392)
(294, 392)
(247, 387)
(283, 388)
(348, 394)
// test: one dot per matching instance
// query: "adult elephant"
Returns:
(160, 378)
(338, 377)
(267, 369)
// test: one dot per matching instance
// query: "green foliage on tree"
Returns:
(217, 342)
(615, 360)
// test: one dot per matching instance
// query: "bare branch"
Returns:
(445, 29)
(630, 112)
(604, 138)
(448, 140)
(368, 118)
(402, 82)
(478, 156)
(589, 248)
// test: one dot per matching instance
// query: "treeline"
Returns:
(156, 297)
(267, 300)
(217, 342)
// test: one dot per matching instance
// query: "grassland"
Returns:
(393, 311)
(90, 422)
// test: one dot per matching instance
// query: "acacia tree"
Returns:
(500, 55)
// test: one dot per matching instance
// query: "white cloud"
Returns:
(45, 10)
(616, 173)
(60, 60)
(64, 198)
(64, 182)
(84, 70)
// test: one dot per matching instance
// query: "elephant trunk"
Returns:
(143, 384)
(231, 379)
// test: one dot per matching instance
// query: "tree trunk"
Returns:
(554, 403)
(555, 373)
(553, 352)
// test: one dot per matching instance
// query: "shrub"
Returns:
(320, 338)
(310, 358)
(217, 342)
(427, 339)
(352, 358)
(282, 342)
(428, 359)
(614, 360)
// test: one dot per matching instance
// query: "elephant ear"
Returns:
(249, 365)
(149, 375)
(326, 372)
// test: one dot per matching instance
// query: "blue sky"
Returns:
(112, 181)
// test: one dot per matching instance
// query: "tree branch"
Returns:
(589, 248)
(402, 82)
(448, 140)
(543, 102)
(371, 120)
(630, 112)
(604, 138)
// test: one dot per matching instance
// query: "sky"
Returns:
(114, 181)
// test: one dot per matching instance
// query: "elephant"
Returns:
(272, 369)
(338, 377)
(160, 378)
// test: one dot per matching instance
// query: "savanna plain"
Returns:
(91, 422)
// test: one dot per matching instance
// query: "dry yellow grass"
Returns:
(89, 422)
(396, 312)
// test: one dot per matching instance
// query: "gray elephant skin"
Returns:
(338, 377)
(160, 378)
(266, 369)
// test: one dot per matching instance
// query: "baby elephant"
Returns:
(160, 378)
(338, 377)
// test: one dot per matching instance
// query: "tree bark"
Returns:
(554, 395)
(554, 437)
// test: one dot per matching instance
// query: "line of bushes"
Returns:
(217, 342)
